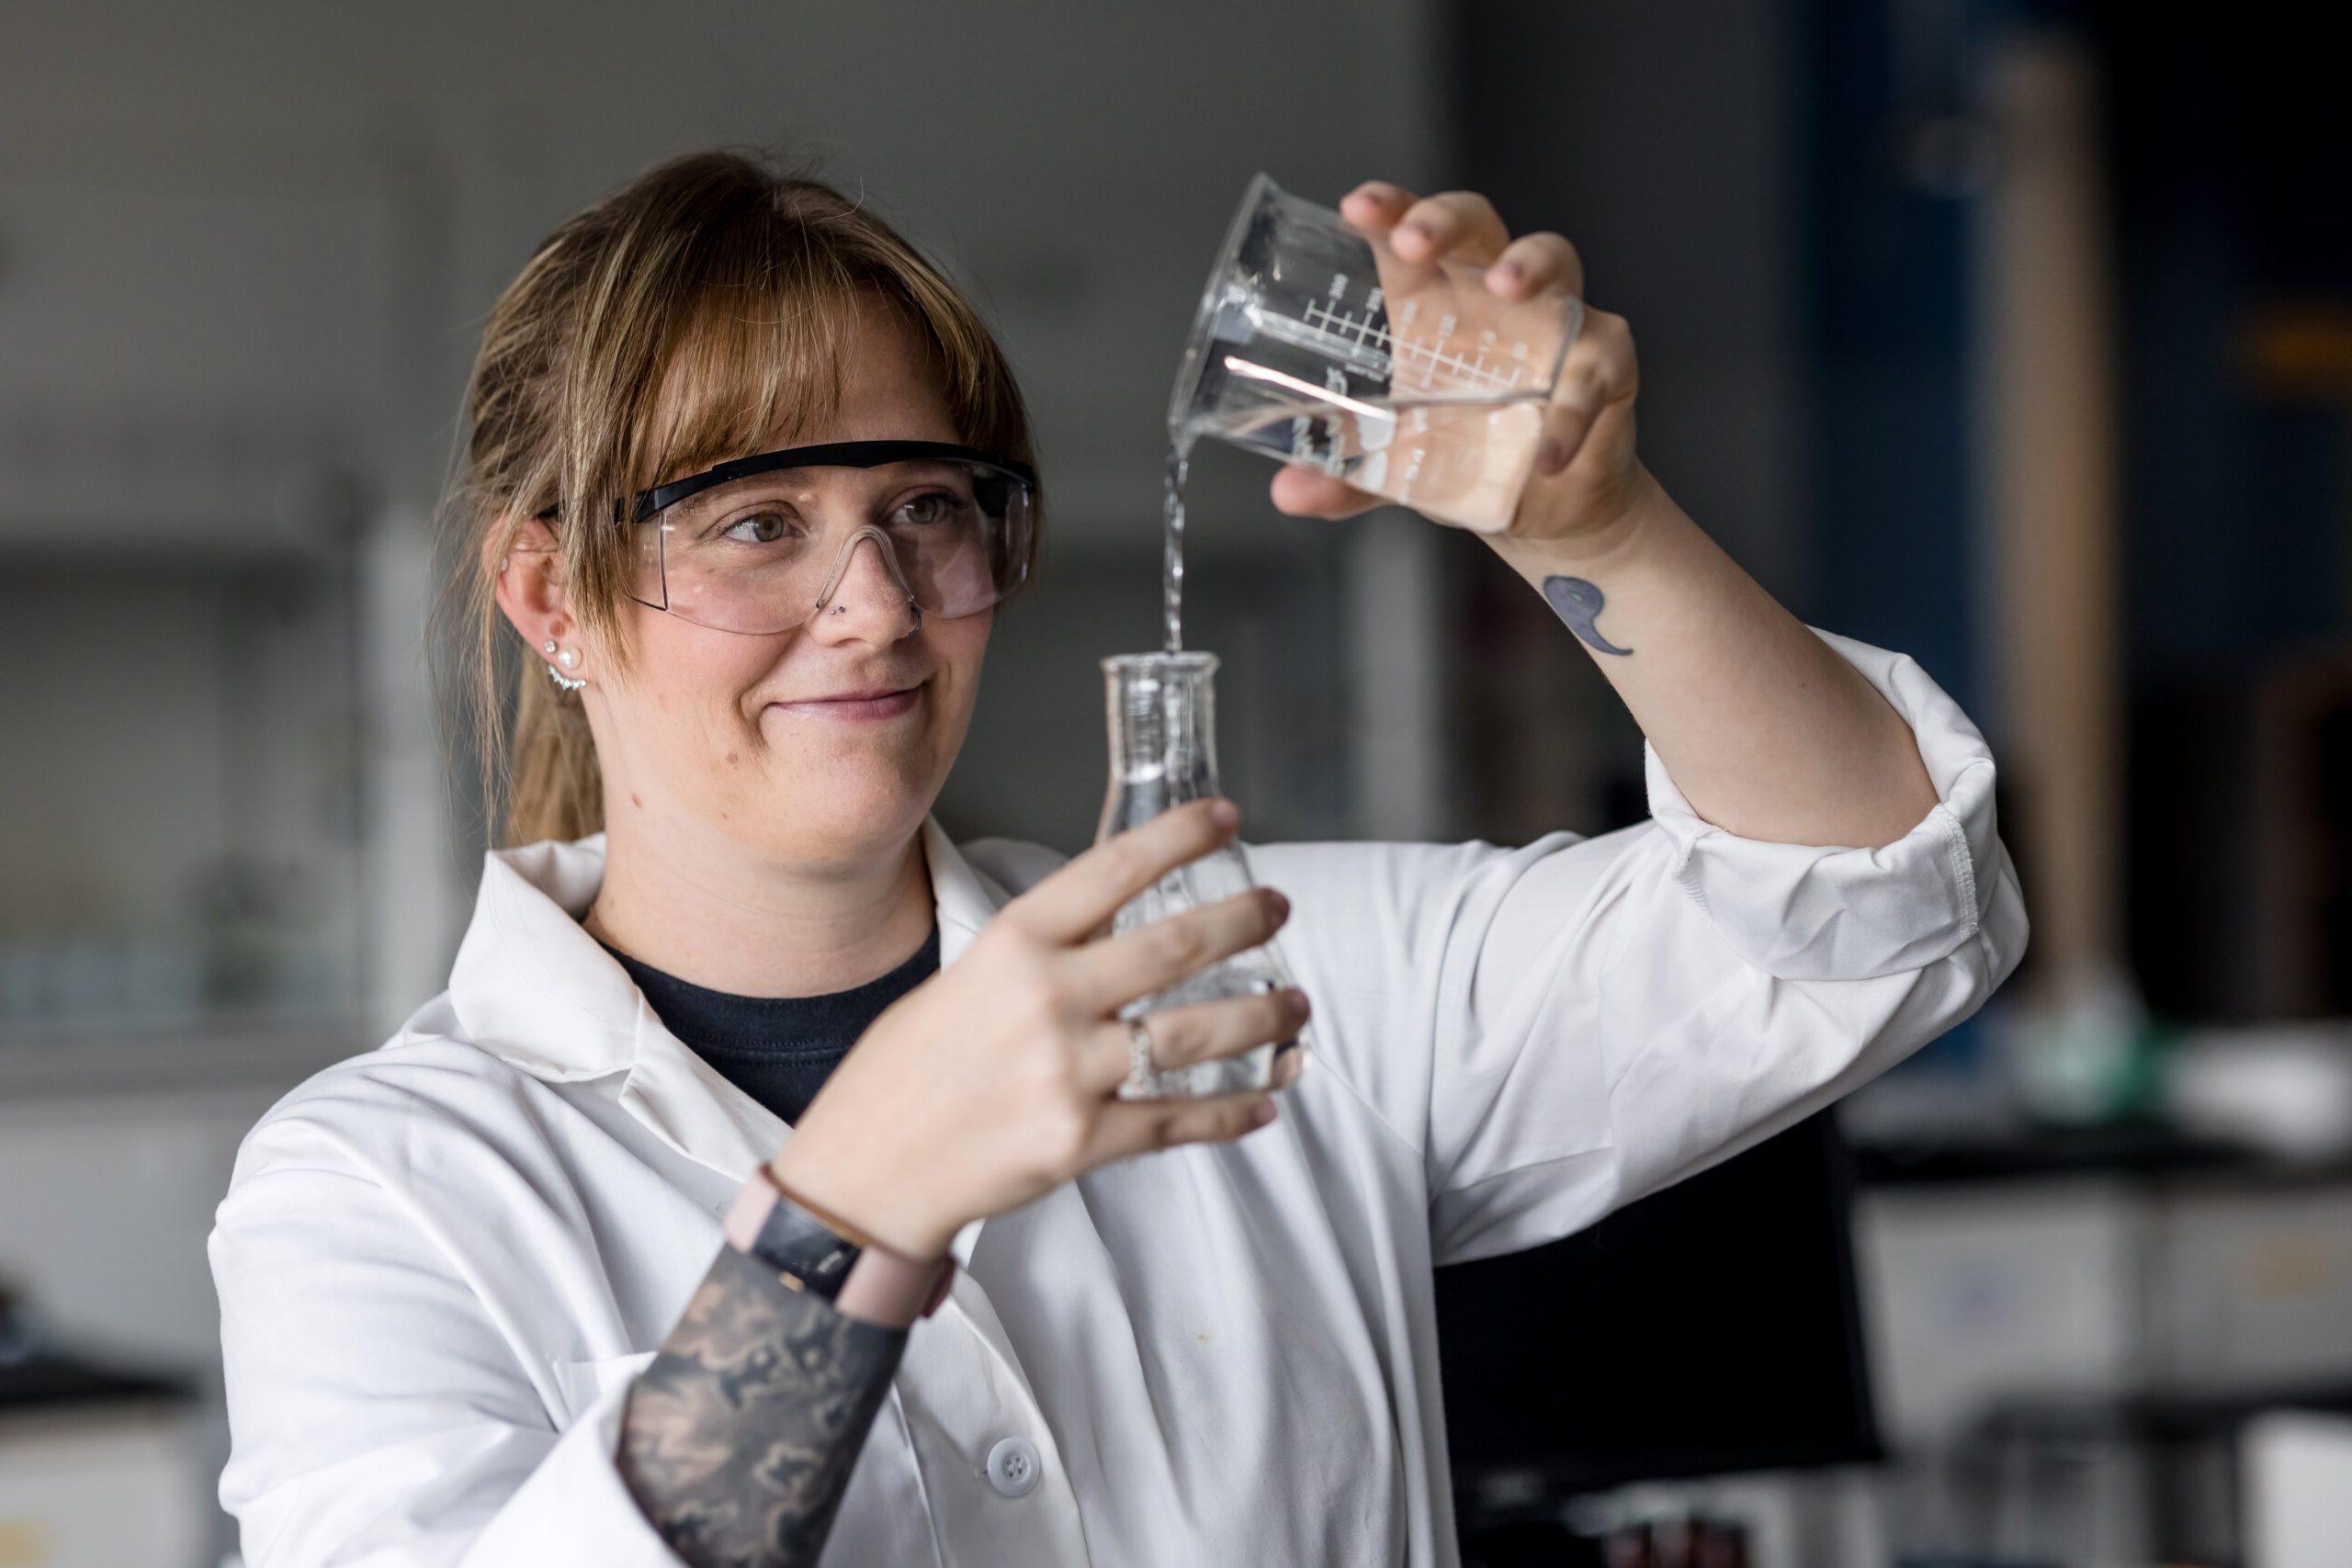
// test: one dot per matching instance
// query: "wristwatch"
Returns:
(816, 1252)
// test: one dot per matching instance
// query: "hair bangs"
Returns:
(754, 365)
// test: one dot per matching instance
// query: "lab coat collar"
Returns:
(532, 987)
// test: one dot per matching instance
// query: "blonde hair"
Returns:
(685, 318)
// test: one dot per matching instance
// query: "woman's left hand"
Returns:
(1587, 476)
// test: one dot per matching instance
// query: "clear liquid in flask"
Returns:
(1161, 708)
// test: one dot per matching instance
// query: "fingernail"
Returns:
(1225, 814)
(1511, 270)
(1417, 227)
(1262, 1114)
(1551, 456)
(1281, 905)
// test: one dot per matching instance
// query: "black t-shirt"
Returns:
(778, 1050)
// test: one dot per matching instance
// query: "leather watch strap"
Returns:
(816, 1251)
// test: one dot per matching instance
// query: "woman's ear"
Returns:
(530, 587)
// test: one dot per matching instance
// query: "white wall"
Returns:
(245, 250)
(298, 211)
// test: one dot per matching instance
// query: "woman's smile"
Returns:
(858, 705)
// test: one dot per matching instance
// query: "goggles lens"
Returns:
(765, 552)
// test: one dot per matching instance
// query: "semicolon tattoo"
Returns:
(1579, 603)
(738, 1439)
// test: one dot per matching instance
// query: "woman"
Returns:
(746, 479)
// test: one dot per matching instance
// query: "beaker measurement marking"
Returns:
(1342, 324)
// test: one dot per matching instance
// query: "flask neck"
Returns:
(1162, 712)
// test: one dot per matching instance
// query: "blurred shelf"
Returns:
(48, 1382)
(2030, 1152)
(286, 525)
(51, 1060)
(2143, 1150)
(2081, 1419)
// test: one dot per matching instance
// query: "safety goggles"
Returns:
(759, 544)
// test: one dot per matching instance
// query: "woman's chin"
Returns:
(844, 818)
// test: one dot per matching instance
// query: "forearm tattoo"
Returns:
(1579, 602)
(740, 1435)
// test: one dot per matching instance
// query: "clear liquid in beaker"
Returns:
(1314, 342)
(1463, 459)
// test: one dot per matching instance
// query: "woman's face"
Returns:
(751, 745)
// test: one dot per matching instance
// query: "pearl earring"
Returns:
(569, 659)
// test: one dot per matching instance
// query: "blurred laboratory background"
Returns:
(2018, 336)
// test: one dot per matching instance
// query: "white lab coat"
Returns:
(441, 1263)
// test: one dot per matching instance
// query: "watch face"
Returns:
(793, 1245)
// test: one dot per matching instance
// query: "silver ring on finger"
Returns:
(1143, 1073)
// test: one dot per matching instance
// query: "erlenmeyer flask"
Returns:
(1163, 754)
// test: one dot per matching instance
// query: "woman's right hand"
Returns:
(993, 1082)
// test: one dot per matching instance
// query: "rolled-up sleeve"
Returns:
(377, 1415)
(1644, 1004)
(1804, 912)
(1561, 1027)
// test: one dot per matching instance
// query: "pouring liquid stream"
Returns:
(1172, 566)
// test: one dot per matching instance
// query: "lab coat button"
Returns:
(1013, 1466)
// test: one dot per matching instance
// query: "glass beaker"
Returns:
(1163, 752)
(1314, 342)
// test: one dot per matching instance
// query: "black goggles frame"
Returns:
(647, 503)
